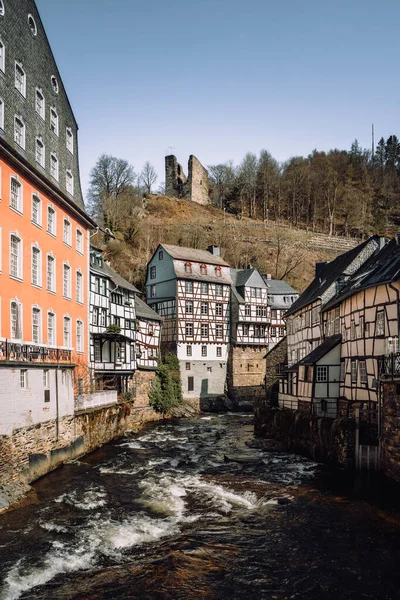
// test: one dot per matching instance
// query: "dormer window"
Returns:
(188, 267)
(218, 271)
(203, 269)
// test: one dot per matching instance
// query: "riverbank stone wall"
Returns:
(390, 437)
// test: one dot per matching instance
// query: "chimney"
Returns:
(382, 241)
(215, 250)
(318, 268)
(268, 276)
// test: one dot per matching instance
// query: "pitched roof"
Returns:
(278, 286)
(144, 311)
(247, 277)
(119, 280)
(318, 352)
(192, 254)
(328, 275)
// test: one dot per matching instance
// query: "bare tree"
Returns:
(109, 178)
(148, 177)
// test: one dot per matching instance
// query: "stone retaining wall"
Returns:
(390, 437)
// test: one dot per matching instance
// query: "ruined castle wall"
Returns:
(193, 187)
(197, 182)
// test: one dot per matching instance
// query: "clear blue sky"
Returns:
(219, 78)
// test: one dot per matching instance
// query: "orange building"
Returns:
(44, 231)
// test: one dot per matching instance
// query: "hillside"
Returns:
(276, 248)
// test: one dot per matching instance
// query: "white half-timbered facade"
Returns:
(281, 296)
(112, 326)
(190, 289)
(250, 316)
(148, 333)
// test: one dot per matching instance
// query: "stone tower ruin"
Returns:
(193, 187)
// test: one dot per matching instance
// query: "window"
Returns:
(258, 311)
(188, 350)
(54, 166)
(322, 374)
(36, 266)
(40, 152)
(51, 220)
(46, 379)
(218, 310)
(97, 351)
(79, 241)
(54, 84)
(204, 330)
(79, 336)
(203, 269)
(95, 315)
(188, 366)
(219, 351)
(189, 287)
(97, 285)
(218, 271)
(51, 337)
(153, 291)
(36, 319)
(160, 255)
(40, 103)
(257, 292)
(50, 275)
(69, 182)
(209, 369)
(66, 281)
(80, 386)
(188, 267)
(204, 350)
(67, 232)
(245, 329)
(219, 330)
(361, 331)
(70, 140)
(342, 370)
(153, 273)
(353, 330)
(15, 257)
(380, 323)
(16, 320)
(67, 332)
(218, 289)
(79, 287)
(190, 384)
(189, 329)
(19, 132)
(53, 120)
(16, 194)
(281, 331)
(32, 25)
(20, 79)
(2, 56)
(103, 317)
(273, 313)
(353, 371)
(1, 113)
(189, 307)
(204, 308)
(247, 310)
(204, 288)
(363, 372)
(23, 379)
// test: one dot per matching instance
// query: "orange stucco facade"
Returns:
(22, 289)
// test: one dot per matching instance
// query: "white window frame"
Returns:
(354, 371)
(219, 330)
(204, 330)
(2, 56)
(23, 379)
(380, 323)
(79, 336)
(362, 367)
(52, 231)
(18, 320)
(69, 140)
(35, 249)
(19, 134)
(67, 322)
(189, 329)
(46, 379)
(40, 105)
(79, 241)
(19, 275)
(69, 182)
(2, 114)
(20, 84)
(19, 207)
(204, 351)
(54, 166)
(36, 199)
(52, 287)
(36, 310)
(67, 232)
(51, 340)
(40, 155)
(79, 289)
(54, 120)
(66, 281)
(32, 25)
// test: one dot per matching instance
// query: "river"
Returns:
(186, 510)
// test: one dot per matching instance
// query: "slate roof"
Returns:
(328, 275)
(144, 311)
(193, 255)
(382, 267)
(119, 280)
(318, 353)
(247, 277)
(278, 286)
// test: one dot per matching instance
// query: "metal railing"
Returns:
(389, 365)
(15, 352)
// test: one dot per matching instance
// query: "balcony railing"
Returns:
(389, 365)
(14, 352)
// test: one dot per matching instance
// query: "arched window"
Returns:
(203, 269)
(32, 25)
(188, 267)
(218, 271)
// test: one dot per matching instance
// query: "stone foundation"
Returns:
(390, 434)
(322, 439)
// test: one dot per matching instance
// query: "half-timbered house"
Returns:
(148, 332)
(281, 296)
(190, 289)
(112, 326)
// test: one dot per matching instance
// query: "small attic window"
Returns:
(188, 267)
(1, 8)
(54, 83)
(203, 269)
(218, 271)
(32, 25)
